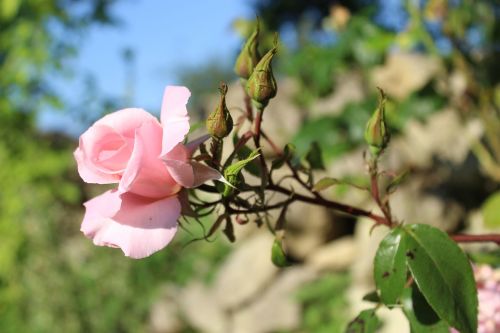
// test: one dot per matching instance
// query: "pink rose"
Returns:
(150, 164)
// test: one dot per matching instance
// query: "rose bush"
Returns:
(151, 166)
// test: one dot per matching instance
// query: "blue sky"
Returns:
(165, 35)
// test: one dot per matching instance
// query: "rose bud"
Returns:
(249, 55)
(376, 133)
(261, 86)
(219, 123)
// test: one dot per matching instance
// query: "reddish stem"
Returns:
(495, 238)
(350, 210)
(248, 104)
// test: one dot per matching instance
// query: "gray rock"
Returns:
(404, 73)
(276, 309)
(164, 315)
(200, 308)
(337, 255)
(246, 271)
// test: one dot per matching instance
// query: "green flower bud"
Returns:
(249, 55)
(261, 86)
(376, 133)
(219, 123)
(278, 255)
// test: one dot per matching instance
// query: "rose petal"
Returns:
(145, 174)
(177, 164)
(97, 162)
(125, 121)
(191, 174)
(174, 117)
(89, 173)
(137, 225)
(204, 173)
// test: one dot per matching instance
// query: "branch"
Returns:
(461, 238)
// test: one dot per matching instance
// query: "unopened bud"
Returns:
(376, 133)
(219, 123)
(249, 55)
(278, 255)
(261, 86)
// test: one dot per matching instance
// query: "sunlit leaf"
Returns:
(365, 322)
(232, 172)
(325, 183)
(9, 8)
(491, 211)
(443, 274)
(390, 266)
(278, 255)
(253, 167)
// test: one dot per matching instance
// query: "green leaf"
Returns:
(9, 8)
(443, 274)
(325, 183)
(365, 322)
(253, 167)
(314, 157)
(421, 316)
(278, 255)
(372, 296)
(232, 172)
(396, 181)
(288, 153)
(491, 211)
(390, 266)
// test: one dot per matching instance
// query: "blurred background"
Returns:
(65, 63)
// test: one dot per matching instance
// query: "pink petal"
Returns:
(191, 174)
(146, 174)
(181, 172)
(89, 173)
(105, 147)
(125, 121)
(174, 117)
(204, 173)
(138, 225)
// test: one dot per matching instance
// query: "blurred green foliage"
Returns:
(51, 277)
(325, 304)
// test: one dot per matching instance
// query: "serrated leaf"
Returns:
(491, 211)
(325, 183)
(421, 316)
(390, 266)
(365, 322)
(314, 157)
(443, 274)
